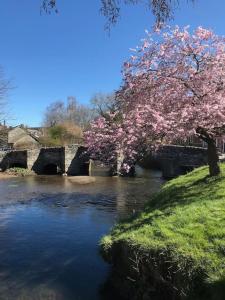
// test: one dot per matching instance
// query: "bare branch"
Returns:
(49, 6)
(163, 10)
(4, 88)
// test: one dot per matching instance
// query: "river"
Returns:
(50, 229)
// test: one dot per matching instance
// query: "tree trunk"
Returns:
(213, 158)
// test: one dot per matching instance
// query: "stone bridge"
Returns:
(173, 160)
(71, 160)
(176, 160)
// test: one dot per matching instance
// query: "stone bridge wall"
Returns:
(12, 159)
(68, 159)
(47, 157)
(76, 160)
(176, 160)
(173, 160)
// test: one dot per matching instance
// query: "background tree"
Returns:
(111, 9)
(64, 123)
(174, 87)
(72, 112)
(103, 103)
(54, 114)
(61, 135)
(4, 88)
(78, 114)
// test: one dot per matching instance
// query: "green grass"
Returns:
(19, 171)
(185, 219)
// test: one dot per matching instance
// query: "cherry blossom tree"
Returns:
(173, 88)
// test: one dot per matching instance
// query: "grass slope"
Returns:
(186, 219)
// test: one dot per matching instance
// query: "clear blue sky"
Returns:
(51, 57)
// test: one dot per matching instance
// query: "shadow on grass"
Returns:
(174, 196)
(210, 291)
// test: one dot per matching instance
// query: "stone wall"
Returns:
(76, 160)
(12, 159)
(97, 168)
(177, 160)
(49, 157)
(71, 160)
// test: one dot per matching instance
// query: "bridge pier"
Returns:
(76, 160)
(32, 156)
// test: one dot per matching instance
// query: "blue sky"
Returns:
(50, 57)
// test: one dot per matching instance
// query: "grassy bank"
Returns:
(19, 172)
(177, 243)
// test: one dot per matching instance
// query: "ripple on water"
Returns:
(50, 229)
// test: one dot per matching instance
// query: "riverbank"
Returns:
(17, 172)
(6, 176)
(175, 249)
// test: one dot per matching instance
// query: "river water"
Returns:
(50, 229)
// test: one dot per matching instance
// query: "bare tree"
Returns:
(54, 114)
(74, 113)
(4, 88)
(78, 114)
(104, 103)
(163, 10)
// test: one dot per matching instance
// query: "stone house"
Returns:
(21, 138)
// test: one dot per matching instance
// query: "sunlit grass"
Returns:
(187, 219)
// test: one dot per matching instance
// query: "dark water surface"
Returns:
(50, 229)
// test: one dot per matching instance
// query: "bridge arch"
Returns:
(17, 164)
(51, 169)
(14, 159)
(50, 161)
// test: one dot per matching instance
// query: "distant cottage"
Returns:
(20, 138)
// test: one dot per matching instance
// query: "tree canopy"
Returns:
(173, 88)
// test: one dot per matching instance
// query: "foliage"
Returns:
(57, 132)
(61, 134)
(174, 88)
(20, 171)
(185, 219)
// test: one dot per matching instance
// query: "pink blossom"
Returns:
(173, 86)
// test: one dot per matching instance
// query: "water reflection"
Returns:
(50, 229)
